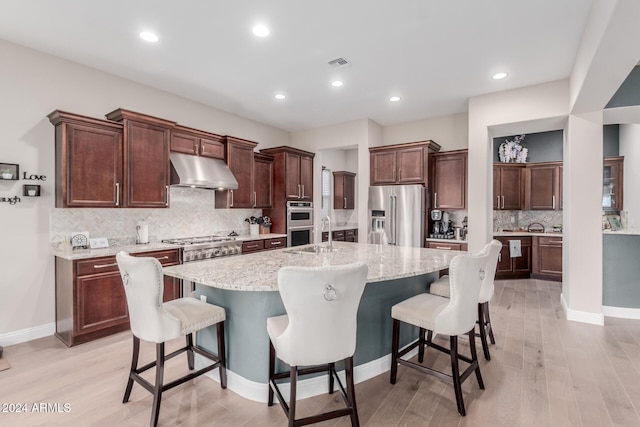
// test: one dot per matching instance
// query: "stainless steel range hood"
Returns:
(201, 172)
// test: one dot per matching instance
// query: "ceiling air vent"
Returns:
(339, 63)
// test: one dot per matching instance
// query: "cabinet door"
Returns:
(496, 188)
(338, 236)
(612, 189)
(411, 166)
(184, 143)
(92, 175)
(350, 191)
(505, 265)
(550, 256)
(449, 181)
(263, 182)
(344, 188)
(100, 302)
(146, 160)
(383, 167)
(171, 288)
(240, 161)
(543, 187)
(522, 264)
(293, 187)
(276, 243)
(306, 178)
(252, 246)
(211, 148)
(510, 188)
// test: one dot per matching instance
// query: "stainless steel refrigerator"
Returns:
(396, 215)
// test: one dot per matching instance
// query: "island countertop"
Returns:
(259, 271)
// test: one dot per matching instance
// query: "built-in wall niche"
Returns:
(9, 171)
(541, 146)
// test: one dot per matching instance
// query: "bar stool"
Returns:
(435, 314)
(158, 322)
(318, 330)
(441, 287)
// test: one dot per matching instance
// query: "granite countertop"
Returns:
(259, 271)
(525, 233)
(433, 239)
(629, 232)
(133, 248)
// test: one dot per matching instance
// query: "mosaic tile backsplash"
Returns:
(192, 213)
(522, 219)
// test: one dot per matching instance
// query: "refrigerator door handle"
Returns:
(394, 217)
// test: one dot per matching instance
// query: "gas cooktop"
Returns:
(184, 241)
(206, 247)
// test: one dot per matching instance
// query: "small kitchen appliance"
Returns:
(441, 226)
(142, 233)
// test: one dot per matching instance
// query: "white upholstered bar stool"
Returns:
(154, 321)
(448, 316)
(318, 330)
(441, 287)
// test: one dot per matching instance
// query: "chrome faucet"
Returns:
(330, 241)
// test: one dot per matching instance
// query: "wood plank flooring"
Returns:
(544, 371)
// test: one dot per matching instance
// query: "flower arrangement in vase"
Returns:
(513, 151)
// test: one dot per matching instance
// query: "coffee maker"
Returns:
(441, 225)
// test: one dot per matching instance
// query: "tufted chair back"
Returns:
(466, 274)
(322, 307)
(486, 290)
(144, 287)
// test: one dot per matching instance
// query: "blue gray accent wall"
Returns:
(629, 92)
(611, 140)
(542, 146)
(621, 270)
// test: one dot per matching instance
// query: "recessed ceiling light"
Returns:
(394, 99)
(260, 31)
(280, 96)
(499, 76)
(336, 83)
(148, 36)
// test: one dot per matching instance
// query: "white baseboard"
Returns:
(581, 316)
(623, 313)
(306, 388)
(24, 335)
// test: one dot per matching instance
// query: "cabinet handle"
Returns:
(117, 194)
(345, 203)
(105, 265)
(195, 147)
(554, 202)
(302, 190)
(299, 197)
(446, 248)
(498, 202)
(231, 204)
(277, 243)
(255, 199)
(255, 245)
(502, 202)
(555, 241)
(435, 200)
(500, 257)
(166, 196)
(161, 257)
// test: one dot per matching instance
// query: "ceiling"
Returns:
(434, 54)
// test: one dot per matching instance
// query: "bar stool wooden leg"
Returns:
(488, 322)
(455, 373)
(292, 395)
(483, 332)
(157, 392)
(222, 355)
(351, 391)
(332, 371)
(394, 350)
(190, 356)
(421, 346)
(474, 358)
(272, 371)
(134, 366)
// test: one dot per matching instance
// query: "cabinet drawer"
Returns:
(169, 257)
(96, 265)
(349, 233)
(550, 241)
(445, 246)
(252, 246)
(276, 243)
(338, 235)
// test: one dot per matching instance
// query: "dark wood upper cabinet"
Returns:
(344, 190)
(508, 191)
(543, 186)
(88, 161)
(401, 163)
(449, 180)
(239, 158)
(612, 184)
(262, 180)
(192, 141)
(293, 177)
(145, 159)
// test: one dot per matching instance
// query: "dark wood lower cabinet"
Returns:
(90, 297)
(350, 235)
(547, 258)
(514, 267)
(249, 246)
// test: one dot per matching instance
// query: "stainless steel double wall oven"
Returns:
(299, 223)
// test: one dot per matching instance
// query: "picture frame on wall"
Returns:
(9, 171)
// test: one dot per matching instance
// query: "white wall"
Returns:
(630, 149)
(32, 85)
(450, 132)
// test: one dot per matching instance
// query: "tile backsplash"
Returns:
(502, 219)
(191, 213)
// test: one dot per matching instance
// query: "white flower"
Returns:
(513, 151)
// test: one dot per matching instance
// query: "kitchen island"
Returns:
(246, 286)
(620, 273)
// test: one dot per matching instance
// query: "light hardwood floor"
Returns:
(545, 371)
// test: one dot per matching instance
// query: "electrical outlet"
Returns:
(513, 219)
(203, 298)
